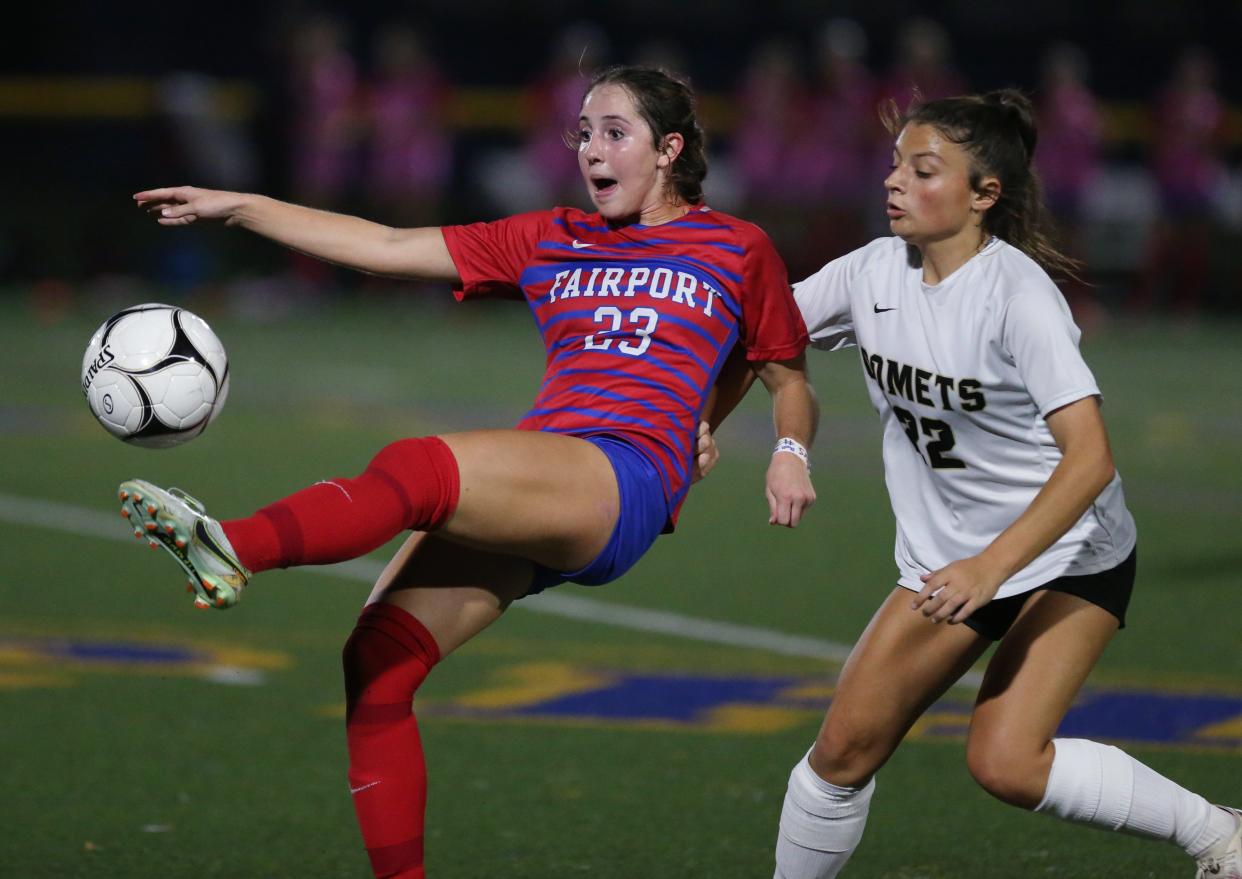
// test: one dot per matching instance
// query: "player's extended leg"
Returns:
(901, 664)
(548, 497)
(544, 496)
(432, 597)
(1028, 687)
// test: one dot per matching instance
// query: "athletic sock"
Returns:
(821, 825)
(1101, 785)
(386, 658)
(412, 484)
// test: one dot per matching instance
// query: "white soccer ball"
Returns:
(155, 375)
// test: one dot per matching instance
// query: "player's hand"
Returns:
(183, 205)
(706, 454)
(958, 589)
(789, 490)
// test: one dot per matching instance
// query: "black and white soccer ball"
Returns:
(155, 375)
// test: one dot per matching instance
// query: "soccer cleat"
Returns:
(177, 522)
(1224, 861)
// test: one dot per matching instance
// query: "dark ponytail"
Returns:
(998, 132)
(666, 103)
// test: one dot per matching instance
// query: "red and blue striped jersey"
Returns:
(637, 320)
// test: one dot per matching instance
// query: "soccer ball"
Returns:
(155, 375)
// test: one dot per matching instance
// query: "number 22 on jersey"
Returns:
(939, 435)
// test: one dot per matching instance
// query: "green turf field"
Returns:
(142, 739)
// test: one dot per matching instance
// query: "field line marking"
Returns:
(87, 522)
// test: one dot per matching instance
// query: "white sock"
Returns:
(821, 825)
(1101, 785)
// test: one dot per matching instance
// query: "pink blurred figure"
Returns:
(1068, 158)
(773, 104)
(408, 160)
(832, 162)
(831, 149)
(1189, 120)
(1070, 131)
(923, 66)
(324, 84)
(579, 50)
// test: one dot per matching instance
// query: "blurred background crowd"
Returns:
(450, 111)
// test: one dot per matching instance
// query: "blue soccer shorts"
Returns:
(642, 517)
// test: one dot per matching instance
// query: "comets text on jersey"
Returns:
(897, 379)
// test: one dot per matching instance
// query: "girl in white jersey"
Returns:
(1010, 515)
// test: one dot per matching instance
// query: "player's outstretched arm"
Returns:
(795, 412)
(336, 238)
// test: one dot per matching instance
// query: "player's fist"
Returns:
(788, 490)
(706, 453)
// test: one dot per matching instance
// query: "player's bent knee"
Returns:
(848, 756)
(364, 659)
(1006, 772)
(423, 475)
(385, 659)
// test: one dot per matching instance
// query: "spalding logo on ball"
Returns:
(155, 375)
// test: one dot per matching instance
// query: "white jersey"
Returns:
(963, 373)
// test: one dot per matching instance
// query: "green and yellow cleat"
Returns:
(177, 522)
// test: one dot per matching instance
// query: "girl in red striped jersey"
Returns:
(639, 304)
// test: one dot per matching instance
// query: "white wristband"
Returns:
(793, 447)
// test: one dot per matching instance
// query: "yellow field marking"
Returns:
(517, 687)
(811, 691)
(18, 656)
(246, 658)
(16, 680)
(756, 718)
(532, 683)
(1225, 729)
(59, 669)
(932, 719)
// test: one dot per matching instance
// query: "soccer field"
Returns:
(643, 729)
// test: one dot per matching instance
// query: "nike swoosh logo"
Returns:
(204, 538)
(879, 310)
(361, 788)
(578, 245)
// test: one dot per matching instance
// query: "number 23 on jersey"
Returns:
(643, 320)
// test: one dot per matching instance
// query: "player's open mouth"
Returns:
(604, 185)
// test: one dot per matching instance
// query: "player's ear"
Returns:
(986, 194)
(670, 149)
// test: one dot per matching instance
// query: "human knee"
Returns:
(423, 475)
(386, 657)
(848, 754)
(364, 657)
(1009, 771)
(393, 457)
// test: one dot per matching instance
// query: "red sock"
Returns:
(386, 658)
(410, 484)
